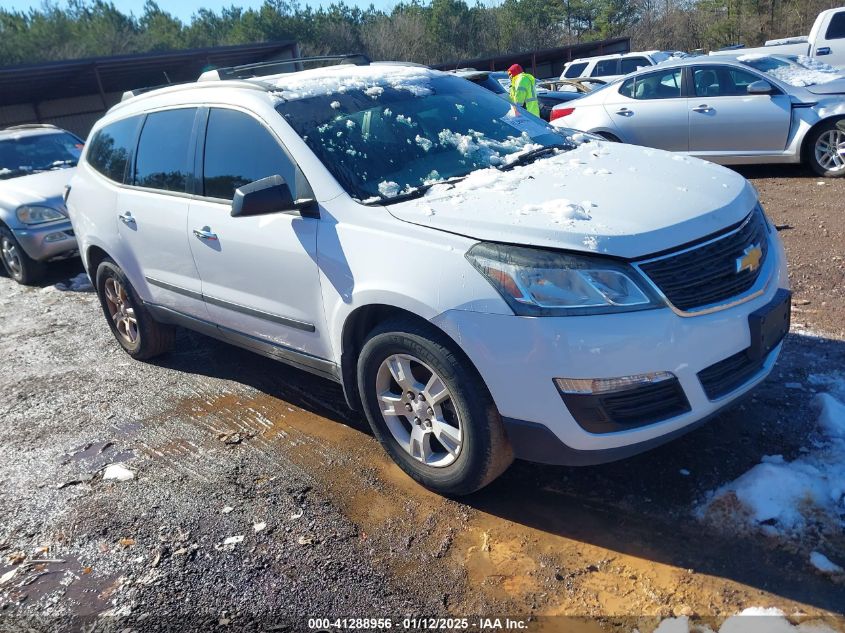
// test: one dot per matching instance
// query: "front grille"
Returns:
(707, 274)
(627, 409)
(727, 375)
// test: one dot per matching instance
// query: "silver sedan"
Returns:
(744, 110)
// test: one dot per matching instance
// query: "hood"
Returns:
(835, 87)
(601, 197)
(43, 187)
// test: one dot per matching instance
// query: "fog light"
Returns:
(610, 385)
(55, 237)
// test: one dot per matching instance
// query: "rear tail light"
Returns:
(558, 113)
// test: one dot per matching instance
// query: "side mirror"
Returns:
(761, 87)
(268, 195)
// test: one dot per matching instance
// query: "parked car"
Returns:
(826, 41)
(583, 85)
(498, 82)
(729, 111)
(610, 67)
(36, 162)
(398, 230)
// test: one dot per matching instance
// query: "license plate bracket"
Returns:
(769, 325)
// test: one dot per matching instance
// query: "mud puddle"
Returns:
(516, 547)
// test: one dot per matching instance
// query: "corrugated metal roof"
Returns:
(30, 83)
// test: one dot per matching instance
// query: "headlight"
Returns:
(535, 282)
(39, 215)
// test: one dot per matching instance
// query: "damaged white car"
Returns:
(484, 286)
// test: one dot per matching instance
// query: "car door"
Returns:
(648, 109)
(259, 273)
(724, 118)
(153, 211)
(831, 47)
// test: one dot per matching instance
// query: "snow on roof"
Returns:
(340, 79)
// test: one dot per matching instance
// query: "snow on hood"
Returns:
(369, 79)
(601, 197)
(45, 186)
(805, 71)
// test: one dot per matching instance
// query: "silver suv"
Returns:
(36, 163)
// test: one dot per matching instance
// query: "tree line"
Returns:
(427, 32)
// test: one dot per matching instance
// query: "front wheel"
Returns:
(826, 149)
(18, 265)
(430, 410)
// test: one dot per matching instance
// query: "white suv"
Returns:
(614, 66)
(484, 286)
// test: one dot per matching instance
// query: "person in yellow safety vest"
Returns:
(523, 90)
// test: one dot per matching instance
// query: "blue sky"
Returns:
(184, 9)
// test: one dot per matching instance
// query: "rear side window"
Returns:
(239, 150)
(163, 161)
(575, 70)
(605, 67)
(665, 84)
(632, 64)
(111, 146)
(836, 28)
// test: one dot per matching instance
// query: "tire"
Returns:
(17, 264)
(452, 468)
(825, 150)
(131, 323)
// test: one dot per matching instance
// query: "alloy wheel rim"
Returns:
(11, 256)
(419, 410)
(121, 311)
(830, 150)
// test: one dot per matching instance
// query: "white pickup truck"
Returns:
(825, 41)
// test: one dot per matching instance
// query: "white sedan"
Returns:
(752, 109)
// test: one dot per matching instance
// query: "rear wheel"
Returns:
(131, 323)
(826, 149)
(18, 265)
(430, 410)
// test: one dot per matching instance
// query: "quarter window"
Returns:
(836, 28)
(239, 150)
(163, 160)
(575, 70)
(605, 67)
(111, 146)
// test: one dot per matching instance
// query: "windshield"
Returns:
(28, 154)
(387, 136)
(800, 71)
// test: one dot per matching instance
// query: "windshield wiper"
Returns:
(534, 154)
(69, 162)
(417, 192)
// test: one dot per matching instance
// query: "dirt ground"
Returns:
(224, 443)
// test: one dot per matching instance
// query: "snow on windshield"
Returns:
(803, 71)
(371, 80)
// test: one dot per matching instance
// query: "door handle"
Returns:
(127, 218)
(703, 108)
(824, 50)
(624, 112)
(205, 234)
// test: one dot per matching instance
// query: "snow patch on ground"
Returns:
(750, 620)
(780, 497)
(824, 564)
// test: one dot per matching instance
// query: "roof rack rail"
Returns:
(31, 126)
(260, 69)
(128, 94)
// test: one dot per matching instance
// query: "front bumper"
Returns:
(518, 358)
(48, 241)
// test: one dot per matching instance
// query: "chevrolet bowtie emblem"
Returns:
(750, 259)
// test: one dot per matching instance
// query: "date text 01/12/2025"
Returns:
(328, 625)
